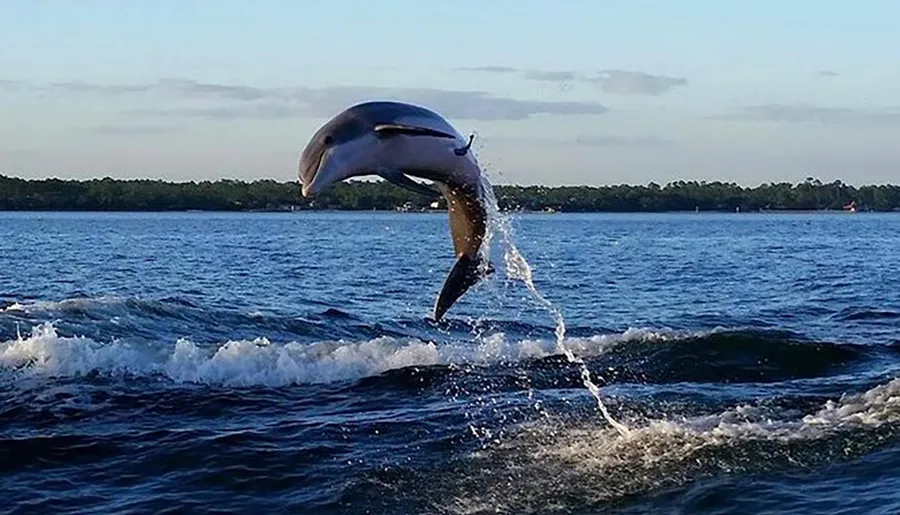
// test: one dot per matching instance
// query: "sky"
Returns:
(558, 93)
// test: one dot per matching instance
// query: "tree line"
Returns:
(266, 195)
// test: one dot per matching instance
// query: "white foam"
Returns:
(262, 362)
(680, 439)
(660, 439)
(559, 463)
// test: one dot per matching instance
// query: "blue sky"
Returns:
(564, 92)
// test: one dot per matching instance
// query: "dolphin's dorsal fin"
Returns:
(387, 129)
(465, 150)
(397, 178)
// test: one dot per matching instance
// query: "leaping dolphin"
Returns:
(395, 140)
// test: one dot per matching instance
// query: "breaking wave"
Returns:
(261, 362)
(639, 354)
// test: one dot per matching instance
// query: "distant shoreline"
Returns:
(118, 195)
(444, 212)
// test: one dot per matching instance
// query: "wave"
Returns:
(261, 362)
(117, 309)
(651, 355)
(737, 356)
(176, 310)
(859, 314)
(557, 464)
(112, 305)
(125, 317)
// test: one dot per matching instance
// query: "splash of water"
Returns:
(517, 268)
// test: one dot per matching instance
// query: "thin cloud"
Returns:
(12, 85)
(187, 87)
(125, 130)
(615, 82)
(84, 87)
(590, 141)
(322, 102)
(181, 87)
(828, 73)
(624, 82)
(256, 111)
(801, 113)
(623, 141)
(489, 69)
(475, 105)
(550, 75)
(249, 102)
(535, 75)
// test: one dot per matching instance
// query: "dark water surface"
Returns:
(284, 363)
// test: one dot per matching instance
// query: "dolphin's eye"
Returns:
(329, 140)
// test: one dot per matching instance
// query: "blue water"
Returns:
(284, 363)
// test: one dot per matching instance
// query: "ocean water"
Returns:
(285, 363)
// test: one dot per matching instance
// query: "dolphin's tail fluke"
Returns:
(467, 272)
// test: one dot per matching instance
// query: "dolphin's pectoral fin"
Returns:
(467, 272)
(399, 179)
(388, 129)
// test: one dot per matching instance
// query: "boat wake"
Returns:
(560, 464)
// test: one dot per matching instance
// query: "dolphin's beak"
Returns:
(306, 190)
(313, 188)
(320, 182)
(313, 175)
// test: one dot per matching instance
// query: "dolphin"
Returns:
(396, 141)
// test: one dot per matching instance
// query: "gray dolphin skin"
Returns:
(396, 141)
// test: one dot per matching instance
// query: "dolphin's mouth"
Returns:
(307, 188)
